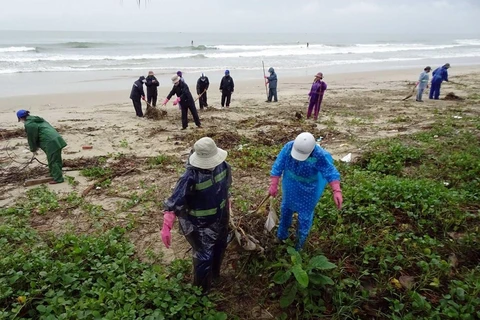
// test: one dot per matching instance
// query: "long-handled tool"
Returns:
(411, 93)
(261, 204)
(264, 79)
(460, 84)
(201, 94)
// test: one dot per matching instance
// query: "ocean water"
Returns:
(120, 54)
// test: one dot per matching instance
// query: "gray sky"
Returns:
(312, 16)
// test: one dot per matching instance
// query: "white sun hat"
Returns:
(206, 154)
(303, 146)
(175, 79)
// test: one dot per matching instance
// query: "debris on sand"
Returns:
(154, 113)
(298, 115)
(223, 139)
(453, 96)
(9, 134)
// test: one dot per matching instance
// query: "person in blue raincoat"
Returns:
(201, 203)
(305, 169)
(438, 76)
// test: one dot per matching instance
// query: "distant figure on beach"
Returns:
(226, 87)
(422, 83)
(316, 96)
(308, 44)
(137, 95)
(41, 135)
(180, 74)
(184, 100)
(439, 75)
(272, 85)
(192, 43)
(152, 83)
(202, 87)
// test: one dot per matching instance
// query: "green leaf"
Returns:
(321, 280)
(41, 308)
(294, 255)
(288, 295)
(281, 277)
(320, 262)
(301, 275)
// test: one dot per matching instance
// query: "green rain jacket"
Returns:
(41, 134)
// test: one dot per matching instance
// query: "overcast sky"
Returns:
(312, 16)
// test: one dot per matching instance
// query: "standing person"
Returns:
(422, 83)
(272, 85)
(152, 83)
(439, 75)
(41, 135)
(185, 101)
(201, 201)
(180, 74)
(137, 94)
(227, 87)
(306, 169)
(316, 95)
(202, 87)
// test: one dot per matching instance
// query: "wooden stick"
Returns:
(265, 80)
(201, 94)
(113, 175)
(33, 182)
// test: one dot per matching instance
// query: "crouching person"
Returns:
(201, 203)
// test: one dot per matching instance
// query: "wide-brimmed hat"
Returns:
(175, 79)
(303, 146)
(206, 154)
(319, 75)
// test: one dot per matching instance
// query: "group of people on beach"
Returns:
(180, 89)
(439, 75)
(186, 102)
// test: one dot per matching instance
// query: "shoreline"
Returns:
(288, 86)
(82, 82)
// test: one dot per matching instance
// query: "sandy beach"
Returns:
(357, 108)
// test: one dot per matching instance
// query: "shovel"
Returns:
(201, 94)
(411, 93)
(261, 204)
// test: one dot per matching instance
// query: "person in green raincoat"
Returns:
(41, 135)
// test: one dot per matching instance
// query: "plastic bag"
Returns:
(272, 218)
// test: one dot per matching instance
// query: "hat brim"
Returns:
(208, 163)
(299, 156)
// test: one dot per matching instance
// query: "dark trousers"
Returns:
(208, 254)
(194, 113)
(152, 99)
(137, 104)
(226, 96)
(272, 93)
(435, 89)
(55, 164)
(202, 101)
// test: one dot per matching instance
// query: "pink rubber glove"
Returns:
(165, 102)
(273, 190)
(337, 193)
(168, 220)
(176, 101)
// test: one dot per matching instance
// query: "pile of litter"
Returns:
(453, 96)
(154, 113)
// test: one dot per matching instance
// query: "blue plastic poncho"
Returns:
(200, 201)
(303, 183)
